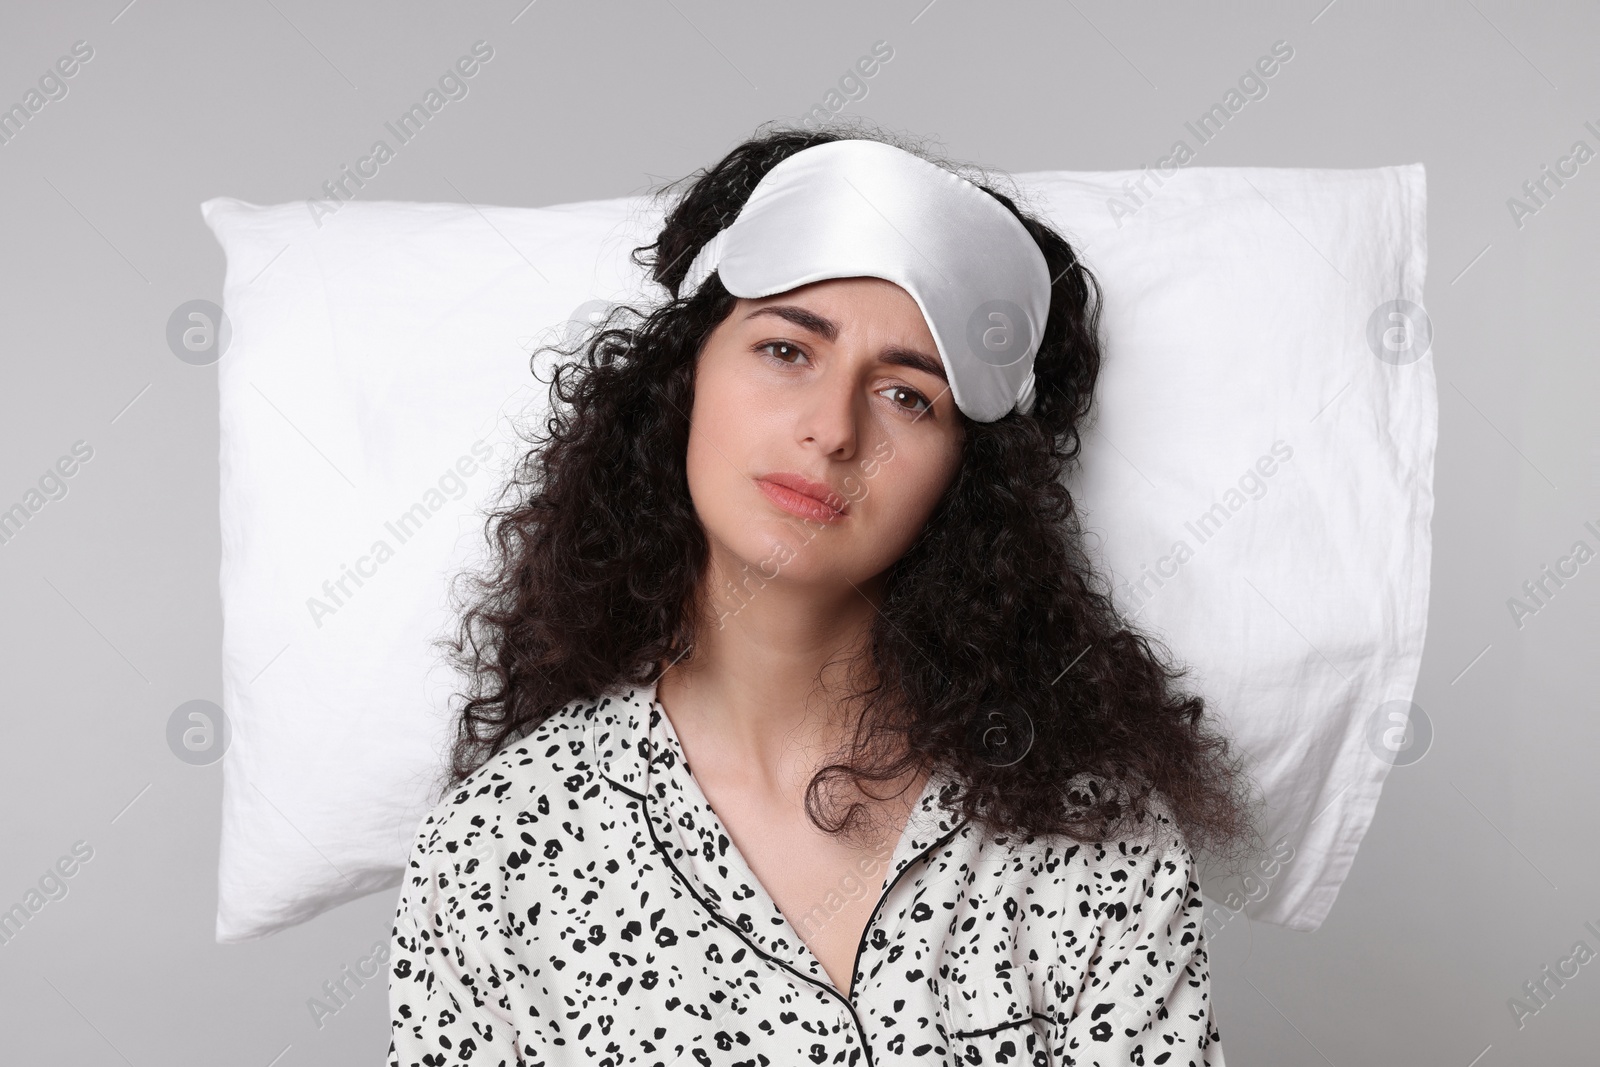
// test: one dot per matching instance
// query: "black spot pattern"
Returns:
(576, 901)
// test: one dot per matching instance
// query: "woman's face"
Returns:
(839, 384)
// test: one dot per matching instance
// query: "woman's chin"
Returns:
(781, 550)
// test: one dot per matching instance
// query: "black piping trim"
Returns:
(1004, 1026)
(855, 965)
(861, 1031)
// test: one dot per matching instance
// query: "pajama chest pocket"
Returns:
(995, 1023)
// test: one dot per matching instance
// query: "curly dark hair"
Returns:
(996, 652)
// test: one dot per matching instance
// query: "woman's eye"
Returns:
(786, 353)
(793, 350)
(906, 390)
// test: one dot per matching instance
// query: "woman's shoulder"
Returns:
(1113, 874)
(520, 782)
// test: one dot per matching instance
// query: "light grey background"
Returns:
(1480, 868)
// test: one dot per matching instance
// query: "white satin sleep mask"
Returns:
(860, 208)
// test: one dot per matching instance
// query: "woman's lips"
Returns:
(797, 503)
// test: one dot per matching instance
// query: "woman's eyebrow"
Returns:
(826, 328)
(804, 318)
(916, 360)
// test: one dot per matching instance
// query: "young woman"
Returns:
(813, 542)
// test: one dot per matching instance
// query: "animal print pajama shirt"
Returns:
(577, 902)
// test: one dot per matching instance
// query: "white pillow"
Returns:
(376, 362)
(1261, 478)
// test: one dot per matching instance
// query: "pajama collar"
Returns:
(637, 749)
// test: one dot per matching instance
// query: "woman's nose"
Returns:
(833, 406)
